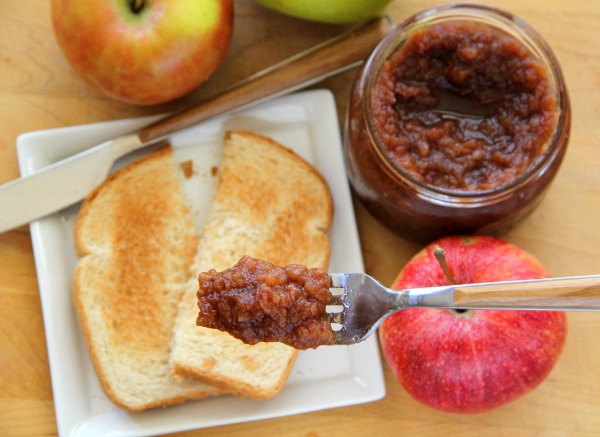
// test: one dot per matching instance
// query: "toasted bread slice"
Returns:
(269, 204)
(136, 241)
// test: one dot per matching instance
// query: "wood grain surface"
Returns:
(38, 90)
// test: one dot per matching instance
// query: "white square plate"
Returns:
(327, 377)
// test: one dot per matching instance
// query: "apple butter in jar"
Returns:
(457, 123)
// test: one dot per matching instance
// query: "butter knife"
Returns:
(70, 180)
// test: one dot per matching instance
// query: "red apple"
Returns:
(474, 360)
(143, 51)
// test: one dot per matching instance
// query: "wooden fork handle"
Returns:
(324, 60)
(572, 293)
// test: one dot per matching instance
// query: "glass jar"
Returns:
(416, 207)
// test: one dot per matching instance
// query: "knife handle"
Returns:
(331, 57)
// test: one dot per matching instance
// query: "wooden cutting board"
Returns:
(39, 91)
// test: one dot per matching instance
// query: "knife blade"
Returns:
(60, 184)
(70, 180)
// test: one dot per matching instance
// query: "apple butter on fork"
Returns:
(256, 301)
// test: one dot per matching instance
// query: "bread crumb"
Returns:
(187, 167)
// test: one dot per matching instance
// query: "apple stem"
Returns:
(136, 6)
(440, 256)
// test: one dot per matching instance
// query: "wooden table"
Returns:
(38, 90)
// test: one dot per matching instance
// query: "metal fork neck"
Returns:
(432, 297)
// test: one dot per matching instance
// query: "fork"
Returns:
(360, 303)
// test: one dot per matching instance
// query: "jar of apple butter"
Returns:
(457, 123)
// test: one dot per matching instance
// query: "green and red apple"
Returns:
(143, 51)
(329, 11)
(475, 360)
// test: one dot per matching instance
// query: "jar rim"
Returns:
(495, 17)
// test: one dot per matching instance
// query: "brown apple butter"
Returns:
(457, 122)
(464, 106)
(256, 301)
